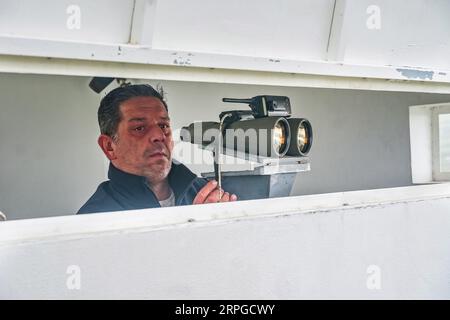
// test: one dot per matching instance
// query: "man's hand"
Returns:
(211, 194)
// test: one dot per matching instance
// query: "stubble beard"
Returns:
(158, 172)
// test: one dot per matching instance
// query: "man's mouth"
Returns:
(157, 154)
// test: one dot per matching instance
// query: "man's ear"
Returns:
(106, 144)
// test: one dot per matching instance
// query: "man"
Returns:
(137, 139)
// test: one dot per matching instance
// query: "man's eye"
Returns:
(164, 126)
(141, 128)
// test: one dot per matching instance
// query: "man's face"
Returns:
(144, 139)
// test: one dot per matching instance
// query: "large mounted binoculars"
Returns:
(265, 130)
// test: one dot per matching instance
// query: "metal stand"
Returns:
(267, 178)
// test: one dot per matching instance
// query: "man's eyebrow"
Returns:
(145, 119)
(137, 120)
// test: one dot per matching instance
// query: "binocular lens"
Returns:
(301, 137)
(280, 137)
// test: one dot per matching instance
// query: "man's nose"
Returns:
(157, 134)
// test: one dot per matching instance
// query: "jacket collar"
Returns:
(135, 189)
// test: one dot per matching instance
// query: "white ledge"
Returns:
(147, 56)
(69, 227)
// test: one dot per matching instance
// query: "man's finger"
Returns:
(214, 196)
(203, 194)
(226, 197)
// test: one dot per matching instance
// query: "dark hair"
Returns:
(109, 114)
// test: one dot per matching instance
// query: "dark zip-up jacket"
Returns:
(125, 191)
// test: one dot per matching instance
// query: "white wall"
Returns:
(251, 28)
(51, 163)
(420, 128)
(404, 35)
(83, 21)
(318, 246)
(410, 40)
